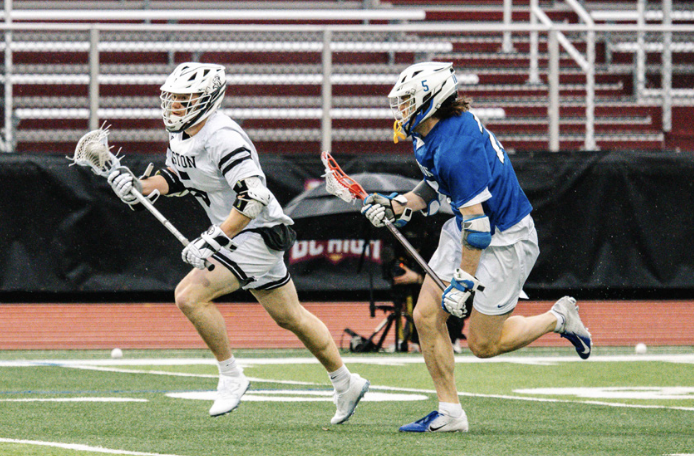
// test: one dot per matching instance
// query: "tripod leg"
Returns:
(399, 340)
(389, 323)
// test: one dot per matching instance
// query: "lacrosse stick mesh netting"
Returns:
(92, 150)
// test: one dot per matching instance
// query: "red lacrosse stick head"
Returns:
(343, 179)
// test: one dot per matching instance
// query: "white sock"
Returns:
(560, 321)
(340, 379)
(450, 409)
(229, 367)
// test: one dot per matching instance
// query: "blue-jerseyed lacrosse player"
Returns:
(485, 252)
(212, 158)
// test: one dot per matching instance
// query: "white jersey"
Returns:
(211, 163)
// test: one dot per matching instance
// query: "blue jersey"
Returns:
(463, 160)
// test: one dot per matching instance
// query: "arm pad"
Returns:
(476, 232)
(251, 196)
(430, 196)
(176, 187)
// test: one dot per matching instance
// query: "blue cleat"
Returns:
(572, 327)
(437, 422)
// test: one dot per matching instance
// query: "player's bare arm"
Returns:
(476, 236)
(235, 223)
(414, 202)
(471, 254)
(153, 183)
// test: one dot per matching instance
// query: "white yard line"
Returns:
(78, 447)
(684, 358)
(183, 374)
(534, 399)
(389, 388)
(77, 399)
(107, 365)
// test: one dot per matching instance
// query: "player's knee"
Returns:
(291, 321)
(184, 299)
(424, 321)
(483, 349)
(285, 322)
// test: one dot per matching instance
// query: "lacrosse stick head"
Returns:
(338, 183)
(93, 151)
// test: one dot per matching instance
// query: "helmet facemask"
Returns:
(182, 111)
(403, 107)
(191, 94)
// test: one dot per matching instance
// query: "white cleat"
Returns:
(229, 392)
(347, 402)
(572, 327)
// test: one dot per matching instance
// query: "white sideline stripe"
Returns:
(81, 364)
(409, 390)
(183, 374)
(616, 392)
(78, 399)
(298, 396)
(680, 358)
(536, 399)
(79, 447)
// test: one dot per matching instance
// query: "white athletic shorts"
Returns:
(255, 265)
(503, 269)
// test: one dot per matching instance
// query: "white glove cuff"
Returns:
(461, 275)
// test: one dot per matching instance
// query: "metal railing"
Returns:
(554, 32)
(640, 47)
(587, 64)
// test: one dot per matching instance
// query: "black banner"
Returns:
(609, 222)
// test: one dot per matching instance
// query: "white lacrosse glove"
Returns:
(210, 242)
(123, 181)
(456, 298)
(378, 207)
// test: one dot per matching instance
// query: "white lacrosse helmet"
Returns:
(421, 90)
(205, 83)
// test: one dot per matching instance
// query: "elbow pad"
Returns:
(176, 187)
(433, 198)
(251, 197)
(433, 205)
(476, 232)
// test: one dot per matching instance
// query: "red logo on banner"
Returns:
(334, 250)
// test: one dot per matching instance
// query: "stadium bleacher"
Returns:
(275, 76)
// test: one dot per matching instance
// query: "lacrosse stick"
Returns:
(93, 151)
(347, 189)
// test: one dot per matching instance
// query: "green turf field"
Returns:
(532, 402)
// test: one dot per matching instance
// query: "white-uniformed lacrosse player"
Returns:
(485, 252)
(212, 158)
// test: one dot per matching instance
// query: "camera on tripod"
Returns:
(359, 344)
